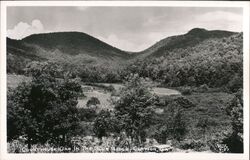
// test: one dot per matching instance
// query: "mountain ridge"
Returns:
(79, 48)
(65, 40)
(191, 38)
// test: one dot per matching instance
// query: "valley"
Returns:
(183, 91)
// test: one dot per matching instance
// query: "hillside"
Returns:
(74, 43)
(190, 39)
(67, 47)
(215, 62)
(175, 61)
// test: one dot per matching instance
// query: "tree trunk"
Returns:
(29, 144)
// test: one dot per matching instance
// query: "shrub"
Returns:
(217, 146)
(87, 114)
(171, 124)
(235, 83)
(235, 111)
(196, 145)
(134, 109)
(203, 88)
(103, 124)
(43, 110)
(184, 102)
(186, 91)
(93, 101)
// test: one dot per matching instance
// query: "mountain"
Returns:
(190, 39)
(68, 47)
(74, 43)
(199, 57)
(78, 49)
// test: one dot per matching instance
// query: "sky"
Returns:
(127, 28)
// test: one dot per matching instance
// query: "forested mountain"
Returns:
(215, 62)
(67, 47)
(74, 43)
(198, 57)
(190, 39)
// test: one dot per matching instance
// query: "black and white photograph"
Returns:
(125, 79)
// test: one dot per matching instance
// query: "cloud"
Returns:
(127, 28)
(220, 15)
(23, 29)
(220, 20)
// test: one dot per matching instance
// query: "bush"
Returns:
(235, 83)
(186, 91)
(217, 146)
(134, 109)
(93, 102)
(184, 102)
(196, 145)
(45, 109)
(203, 88)
(87, 114)
(235, 111)
(103, 124)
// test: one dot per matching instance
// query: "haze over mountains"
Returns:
(80, 48)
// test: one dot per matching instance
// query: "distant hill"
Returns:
(69, 47)
(74, 43)
(213, 58)
(190, 39)
(77, 49)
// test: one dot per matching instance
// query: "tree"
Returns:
(204, 123)
(235, 111)
(44, 110)
(171, 124)
(134, 109)
(93, 101)
(102, 124)
(87, 114)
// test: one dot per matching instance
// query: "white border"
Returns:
(144, 156)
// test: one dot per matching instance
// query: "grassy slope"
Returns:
(190, 39)
(207, 105)
(14, 80)
(212, 106)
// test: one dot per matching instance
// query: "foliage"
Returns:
(204, 123)
(213, 62)
(93, 101)
(212, 58)
(43, 110)
(134, 109)
(200, 64)
(171, 124)
(105, 123)
(203, 88)
(87, 114)
(186, 90)
(102, 73)
(218, 146)
(183, 102)
(235, 110)
(196, 145)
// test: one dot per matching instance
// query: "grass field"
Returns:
(101, 94)
(209, 106)
(14, 80)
